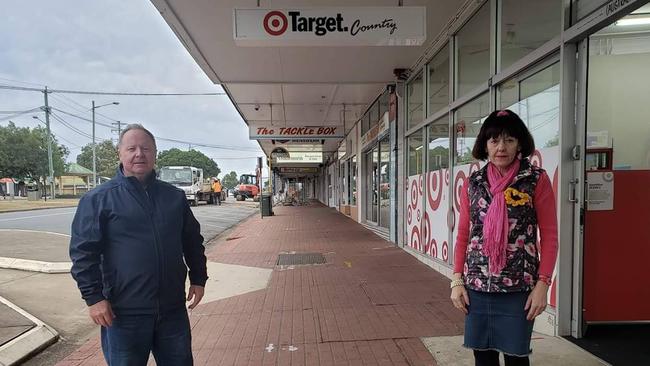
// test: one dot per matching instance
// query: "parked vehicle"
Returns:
(190, 179)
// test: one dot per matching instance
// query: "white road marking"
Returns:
(37, 231)
(36, 216)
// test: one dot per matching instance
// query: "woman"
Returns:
(500, 282)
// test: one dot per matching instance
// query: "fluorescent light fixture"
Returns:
(630, 20)
(418, 148)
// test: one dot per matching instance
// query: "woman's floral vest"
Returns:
(522, 261)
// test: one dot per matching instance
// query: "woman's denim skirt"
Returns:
(497, 321)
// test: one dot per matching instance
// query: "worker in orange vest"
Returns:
(216, 187)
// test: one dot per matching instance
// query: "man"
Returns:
(131, 238)
(216, 187)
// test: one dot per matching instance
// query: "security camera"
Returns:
(257, 107)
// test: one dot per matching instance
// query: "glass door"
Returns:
(372, 160)
(384, 183)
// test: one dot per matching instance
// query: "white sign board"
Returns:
(333, 26)
(301, 157)
(600, 191)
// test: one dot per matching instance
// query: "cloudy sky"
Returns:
(114, 46)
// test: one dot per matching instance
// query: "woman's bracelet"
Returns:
(457, 282)
(545, 279)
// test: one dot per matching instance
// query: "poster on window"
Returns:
(600, 191)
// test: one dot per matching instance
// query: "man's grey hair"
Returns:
(136, 126)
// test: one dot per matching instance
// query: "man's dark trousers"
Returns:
(131, 337)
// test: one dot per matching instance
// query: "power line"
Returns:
(20, 114)
(22, 82)
(212, 146)
(65, 91)
(81, 118)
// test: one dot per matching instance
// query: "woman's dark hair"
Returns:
(503, 122)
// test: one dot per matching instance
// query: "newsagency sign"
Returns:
(360, 26)
(295, 133)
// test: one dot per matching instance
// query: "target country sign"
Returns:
(345, 26)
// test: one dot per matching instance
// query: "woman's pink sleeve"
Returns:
(462, 238)
(547, 222)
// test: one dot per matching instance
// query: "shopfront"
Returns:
(613, 132)
(511, 55)
(376, 152)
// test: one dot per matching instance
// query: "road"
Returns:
(54, 298)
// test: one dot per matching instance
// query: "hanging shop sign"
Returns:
(332, 26)
(309, 170)
(293, 133)
(378, 131)
(301, 157)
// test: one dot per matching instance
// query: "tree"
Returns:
(176, 157)
(106, 158)
(23, 153)
(230, 180)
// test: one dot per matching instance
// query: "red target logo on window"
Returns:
(275, 23)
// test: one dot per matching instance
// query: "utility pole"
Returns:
(118, 130)
(94, 157)
(49, 146)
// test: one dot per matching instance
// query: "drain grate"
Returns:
(296, 259)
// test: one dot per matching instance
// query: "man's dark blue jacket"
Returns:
(128, 244)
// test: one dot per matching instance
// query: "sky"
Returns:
(114, 46)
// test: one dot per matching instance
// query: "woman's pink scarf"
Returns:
(495, 224)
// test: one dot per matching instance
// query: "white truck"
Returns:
(190, 179)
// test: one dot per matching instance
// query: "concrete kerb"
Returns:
(35, 208)
(28, 343)
(35, 266)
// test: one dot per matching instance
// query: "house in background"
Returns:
(75, 181)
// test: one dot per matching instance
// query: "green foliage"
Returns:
(106, 158)
(230, 180)
(23, 152)
(193, 158)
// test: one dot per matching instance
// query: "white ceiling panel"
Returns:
(256, 93)
(308, 94)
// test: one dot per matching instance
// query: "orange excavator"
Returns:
(248, 187)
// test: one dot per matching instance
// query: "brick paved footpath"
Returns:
(368, 305)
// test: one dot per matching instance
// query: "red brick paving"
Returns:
(368, 305)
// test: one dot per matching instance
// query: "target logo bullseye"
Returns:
(275, 23)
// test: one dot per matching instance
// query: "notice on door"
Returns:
(600, 191)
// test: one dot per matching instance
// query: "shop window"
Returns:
(536, 99)
(438, 144)
(438, 91)
(373, 113)
(365, 123)
(415, 111)
(473, 52)
(416, 153)
(525, 26)
(353, 181)
(468, 120)
(384, 103)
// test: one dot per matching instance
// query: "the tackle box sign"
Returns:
(295, 133)
(340, 26)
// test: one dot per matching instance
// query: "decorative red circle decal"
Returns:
(275, 23)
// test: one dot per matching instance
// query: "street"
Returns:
(43, 235)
